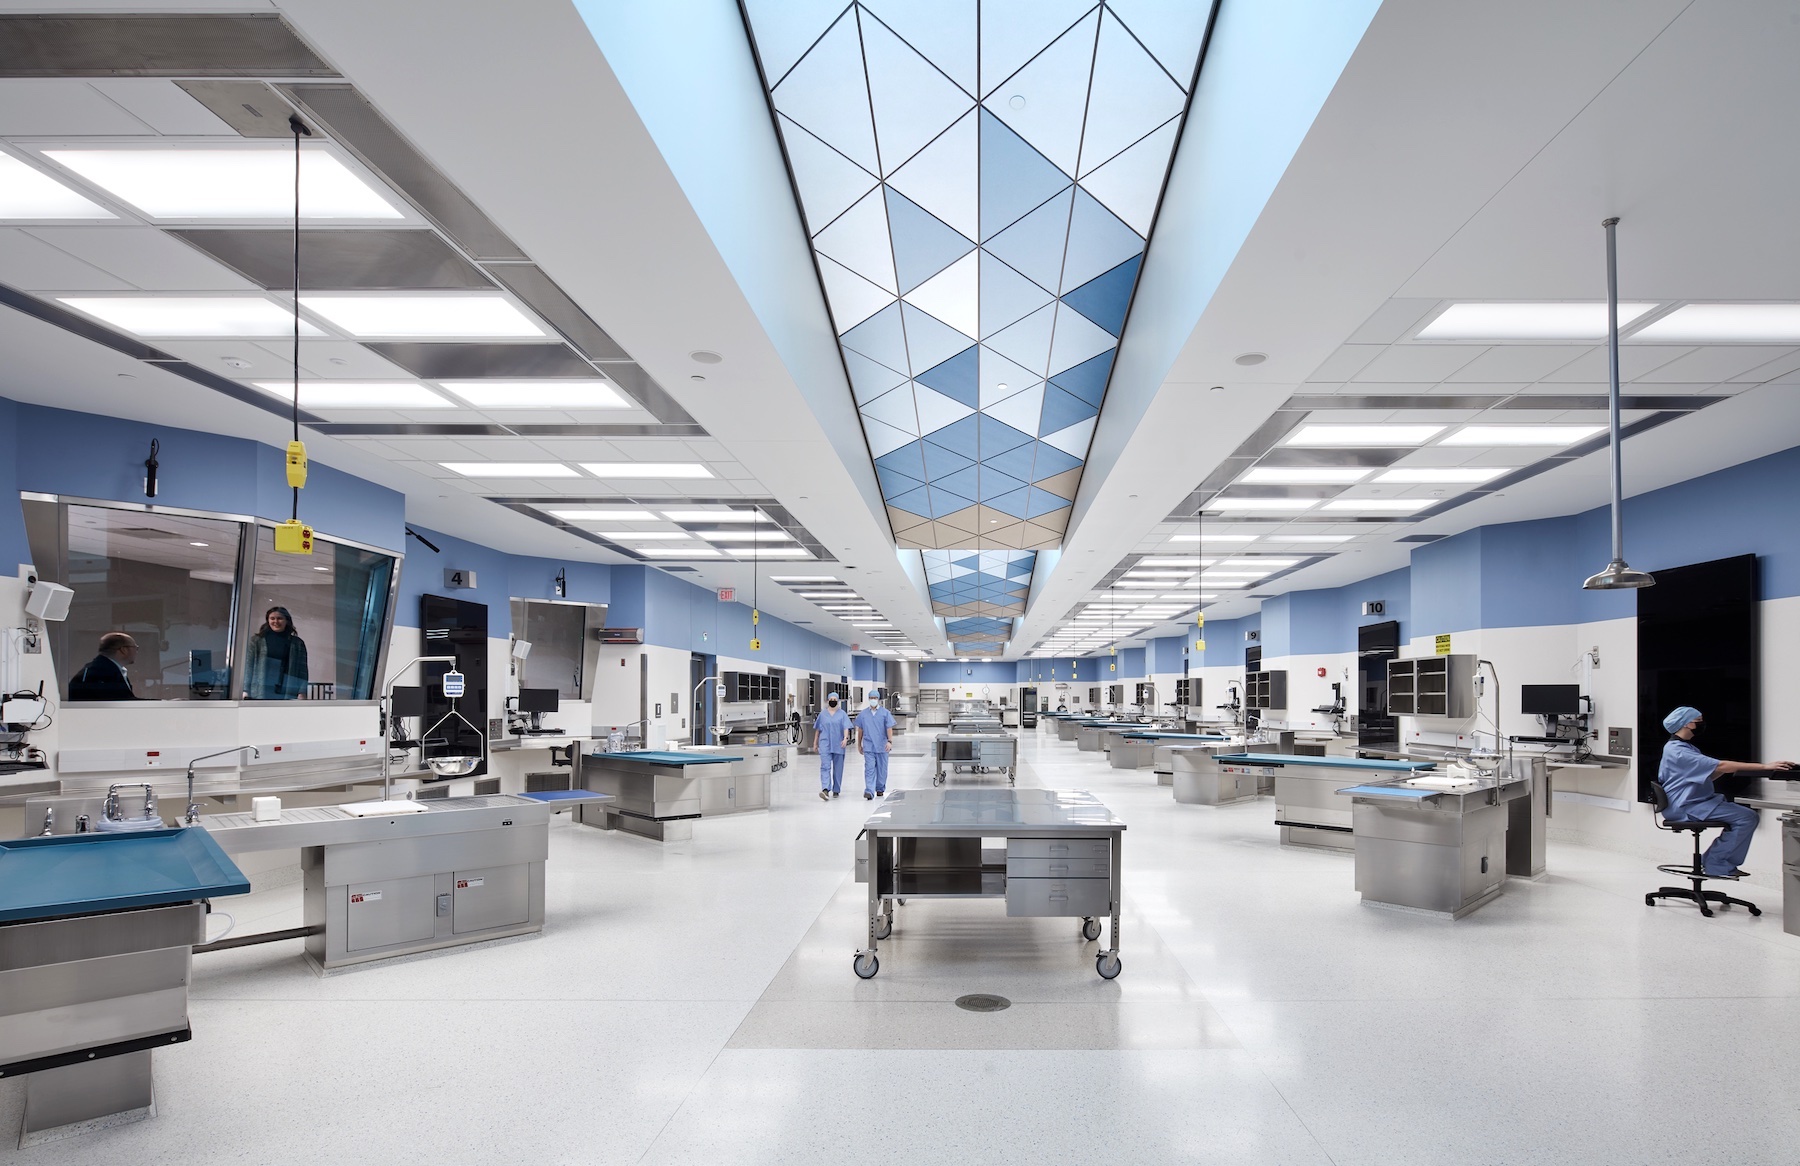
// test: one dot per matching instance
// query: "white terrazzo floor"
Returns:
(693, 1002)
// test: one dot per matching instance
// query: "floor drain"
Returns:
(982, 1002)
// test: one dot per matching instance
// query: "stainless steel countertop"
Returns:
(993, 812)
(331, 826)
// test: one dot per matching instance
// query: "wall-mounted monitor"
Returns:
(1550, 700)
(539, 700)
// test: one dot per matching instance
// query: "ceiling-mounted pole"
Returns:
(1617, 575)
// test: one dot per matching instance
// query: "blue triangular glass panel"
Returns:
(1087, 380)
(997, 437)
(893, 484)
(929, 341)
(1043, 502)
(962, 437)
(1035, 244)
(1062, 410)
(1021, 569)
(944, 502)
(1006, 295)
(880, 338)
(1012, 503)
(965, 483)
(956, 378)
(917, 500)
(1017, 461)
(1014, 177)
(1098, 241)
(923, 243)
(908, 459)
(1051, 461)
(1106, 298)
(994, 483)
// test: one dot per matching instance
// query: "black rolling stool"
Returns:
(1695, 874)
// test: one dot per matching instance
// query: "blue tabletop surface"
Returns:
(665, 757)
(567, 795)
(1325, 762)
(1390, 791)
(82, 874)
(1155, 736)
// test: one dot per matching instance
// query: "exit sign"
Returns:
(728, 595)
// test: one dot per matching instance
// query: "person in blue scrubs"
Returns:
(874, 739)
(1687, 777)
(831, 736)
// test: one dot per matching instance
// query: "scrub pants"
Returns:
(831, 771)
(1729, 849)
(875, 765)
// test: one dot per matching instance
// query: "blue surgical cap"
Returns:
(1681, 718)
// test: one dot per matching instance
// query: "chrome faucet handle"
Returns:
(149, 801)
(49, 821)
(111, 810)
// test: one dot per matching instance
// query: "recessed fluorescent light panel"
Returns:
(603, 514)
(724, 516)
(538, 394)
(348, 395)
(1378, 505)
(27, 193)
(647, 469)
(1725, 323)
(1542, 321)
(679, 552)
(1444, 476)
(1262, 504)
(1305, 475)
(1215, 538)
(183, 316)
(244, 182)
(804, 578)
(1362, 436)
(745, 536)
(1556, 435)
(510, 469)
(425, 317)
(644, 535)
(1173, 562)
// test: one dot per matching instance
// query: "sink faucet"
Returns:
(49, 822)
(193, 807)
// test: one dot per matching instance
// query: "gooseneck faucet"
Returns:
(193, 807)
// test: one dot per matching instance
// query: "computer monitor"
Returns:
(539, 700)
(409, 700)
(1550, 699)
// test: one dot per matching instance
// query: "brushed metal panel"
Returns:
(250, 107)
(529, 283)
(462, 362)
(104, 1020)
(88, 937)
(495, 896)
(375, 259)
(349, 118)
(154, 45)
(1058, 897)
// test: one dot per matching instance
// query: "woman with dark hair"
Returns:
(276, 669)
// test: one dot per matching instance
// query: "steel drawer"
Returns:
(1057, 897)
(1058, 848)
(1058, 868)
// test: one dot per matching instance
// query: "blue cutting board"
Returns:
(82, 874)
(1324, 762)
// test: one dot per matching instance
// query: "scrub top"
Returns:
(832, 726)
(1686, 776)
(874, 724)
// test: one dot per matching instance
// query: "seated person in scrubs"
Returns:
(874, 739)
(1687, 777)
(831, 735)
(104, 677)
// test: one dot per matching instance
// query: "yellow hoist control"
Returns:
(296, 464)
(294, 537)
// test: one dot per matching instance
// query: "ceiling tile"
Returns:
(1517, 362)
(1718, 362)
(31, 264)
(1418, 363)
(144, 257)
(61, 107)
(1345, 363)
(163, 106)
(1634, 361)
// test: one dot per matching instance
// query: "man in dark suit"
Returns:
(104, 678)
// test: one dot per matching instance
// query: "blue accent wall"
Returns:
(1061, 670)
(14, 548)
(865, 668)
(969, 672)
(1168, 654)
(84, 455)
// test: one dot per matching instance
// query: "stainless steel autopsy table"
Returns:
(381, 884)
(97, 936)
(659, 793)
(1787, 803)
(1308, 807)
(1089, 735)
(977, 753)
(1061, 858)
(1432, 842)
(1140, 747)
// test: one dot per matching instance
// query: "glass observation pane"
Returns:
(315, 622)
(151, 614)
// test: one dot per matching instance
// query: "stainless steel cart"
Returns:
(1061, 859)
(976, 753)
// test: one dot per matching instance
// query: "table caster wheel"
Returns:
(1756, 910)
(884, 927)
(1090, 930)
(867, 964)
(1108, 965)
(1649, 900)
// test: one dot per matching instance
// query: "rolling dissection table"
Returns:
(977, 753)
(1432, 843)
(97, 935)
(1060, 859)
